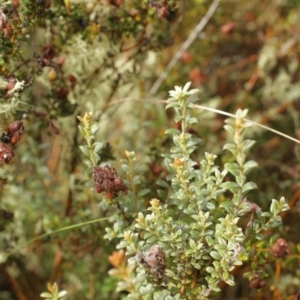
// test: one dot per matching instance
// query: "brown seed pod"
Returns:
(48, 52)
(72, 79)
(280, 248)
(228, 27)
(6, 153)
(155, 260)
(115, 2)
(162, 12)
(47, 4)
(62, 92)
(257, 283)
(15, 131)
(11, 82)
(15, 3)
(8, 30)
(107, 180)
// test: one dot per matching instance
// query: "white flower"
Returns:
(180, 92)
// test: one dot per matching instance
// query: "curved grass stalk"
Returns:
(217, 111)
(70, 227)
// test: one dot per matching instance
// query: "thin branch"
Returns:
(184, 46)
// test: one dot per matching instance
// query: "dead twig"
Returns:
(184, 47)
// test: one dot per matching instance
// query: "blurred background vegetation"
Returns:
(104, 56)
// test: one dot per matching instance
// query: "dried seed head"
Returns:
(8, 30)
(48, 4)
(155, 260)
(72, 79)
(62, 92)
(257, 283)
(15, 131)
(280, 248)
(6, 153)
(162, 12)
(48, 51)
(228, 27)
(11, 82)
(15, 3)
(115, 2)
(107, 180)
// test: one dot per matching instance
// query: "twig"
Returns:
(184, 46)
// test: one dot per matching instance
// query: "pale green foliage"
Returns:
(196, 225)
(54, 293)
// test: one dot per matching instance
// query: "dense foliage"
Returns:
(108, 191)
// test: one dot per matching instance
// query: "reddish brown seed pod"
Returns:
(48, 51)
(48, 3)
(162, 12)
(257, 283)
(62, 92)
(8, 30)
(280, 248)
(15, 131)
(155, 260)
(6, 153)
(107, 180)
(14, 127)
(73, 80)
(228, 27)
(40, 114)
(11, 82)
(15, 3)
(197, 76)
(115, 2)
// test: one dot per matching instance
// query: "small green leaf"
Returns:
(172, 104)
(247, 145)
(192, 244)
(162, 183)
(240, 180)
(126, 168)
(233, 168)
(85, 151)
(274, 209)
(136, 180)
(249, 166)
(231, 130)
(216, 255)
(62, 294)
(172, 131)
(94, 128)
(46, 295)
(143, 192)
(98, 146)
(249, 186)
(228, 205)
(231, 186)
